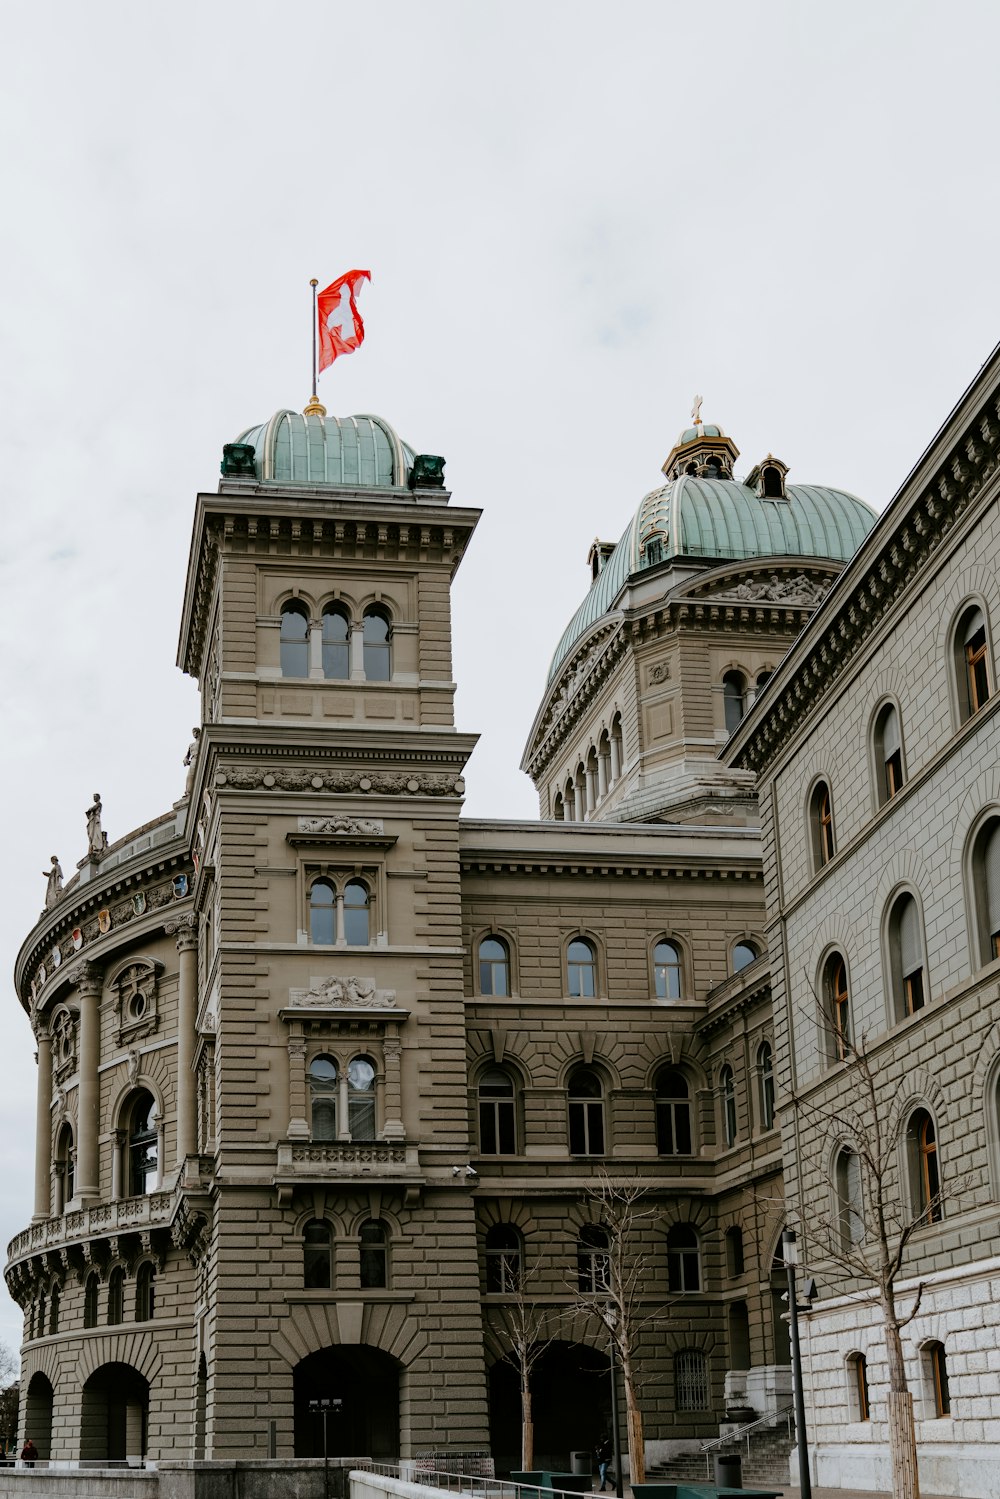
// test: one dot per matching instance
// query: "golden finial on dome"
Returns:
(314, 407)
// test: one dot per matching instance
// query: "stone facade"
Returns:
(315, 1054)
(902, 895)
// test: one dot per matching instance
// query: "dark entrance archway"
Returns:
(115, 1414)
(38, 1413)
(571, 1406)
(366, 1424)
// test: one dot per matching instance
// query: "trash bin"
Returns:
(728, 1470)
(582, 1463)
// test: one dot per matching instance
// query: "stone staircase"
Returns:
(767, 1465)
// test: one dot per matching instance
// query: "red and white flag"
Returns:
(341, 330)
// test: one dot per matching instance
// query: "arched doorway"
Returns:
(38, 1413)
(366, 1422)
(115, 1414)
(571, 1406)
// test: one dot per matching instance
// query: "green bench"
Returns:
(542, 1481)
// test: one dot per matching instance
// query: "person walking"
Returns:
(28, 1453)
(605, 1452)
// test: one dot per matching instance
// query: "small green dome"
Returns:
(718, 520)
(693, 434)
(353, 451)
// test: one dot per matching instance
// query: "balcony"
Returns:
(126, 1215)
(302, 1162)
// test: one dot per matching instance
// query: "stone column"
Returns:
(43, 1126)
(591, 780)
(315, 649)
(187, 1003)
(118, 1146)
(602, 775)
(616, 759)
(357, 652)
(298, 1124)
(89, 985)
(338, 919)
(392, 1098)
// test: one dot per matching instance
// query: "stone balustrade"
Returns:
(126, 1214)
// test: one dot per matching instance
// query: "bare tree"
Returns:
(9, 1390)
(866, 1234)
(619, 1276)
(518, 1331)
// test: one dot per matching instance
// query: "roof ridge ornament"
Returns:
(696, 411)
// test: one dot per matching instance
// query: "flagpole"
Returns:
(314, 406)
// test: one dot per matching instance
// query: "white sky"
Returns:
(575, 215)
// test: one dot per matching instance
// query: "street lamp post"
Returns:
(790, 1254)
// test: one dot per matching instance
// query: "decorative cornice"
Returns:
(261, 778)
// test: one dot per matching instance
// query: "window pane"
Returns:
(356, 914)
(336, 646)
(376, 648)
(667, 970)
(322, 912)
(294, 641)
(374, 1256)
(493, 971)
(743, 955)
(580, 974)
(361, 1099)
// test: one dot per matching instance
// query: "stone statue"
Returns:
(97, 839)
(189, 759)
(53, 889)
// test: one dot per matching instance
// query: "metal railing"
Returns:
(459, 1483)
(733, 1438)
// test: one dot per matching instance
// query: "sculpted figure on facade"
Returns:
(54, 878)
(352, 992)
(97, 839)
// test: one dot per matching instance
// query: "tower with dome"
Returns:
(325, 1068)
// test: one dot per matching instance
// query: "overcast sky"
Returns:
(576, 217)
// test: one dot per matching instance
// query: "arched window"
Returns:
(65, 1159)
(763, 677)
(765, 1081)
(294, 639)
(924, 1167)
(734, 695)
(374, 1255)
(888, 748)
(336, 643)
(361, 1098)
(145, 1292)
(323, 1098)
(322, 913)
(54, 1310)
(558, 809)
(936, 1365)
(821, 824)
(838, 1007)
(317, 1256)
(772, 487)
(494, 967)
(377, 635)
(667, 972)
(116, 1296)
(143, 1145)
(497, 1119)
(850, 1197)
(683, 1258)
(586, 1113)
(503, 1260)
(91, 1292)
(744, 953)
(673, 1114)
(690, 1380)
(727, 1089)
(906, 957)
(593, 1260)
(986, 889)
(356, 902)
(972, 663)
(734, 1251)
(581, 969)
(857, 1385)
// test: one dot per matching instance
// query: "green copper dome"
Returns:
(717, 520)
(354, 451)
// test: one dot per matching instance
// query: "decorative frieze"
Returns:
(351, 993)
(260, 778)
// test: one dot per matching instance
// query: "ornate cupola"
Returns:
(703, 451)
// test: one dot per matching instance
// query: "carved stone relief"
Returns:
(370, 825)
(135, 996)
(251, 778)
(350, 993)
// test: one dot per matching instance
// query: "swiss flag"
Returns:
(341, 330)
